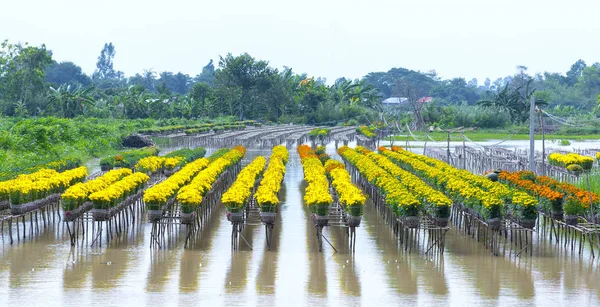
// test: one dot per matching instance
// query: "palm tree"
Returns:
(515, 101)
(71, 102)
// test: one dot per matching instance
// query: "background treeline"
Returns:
(33, 84)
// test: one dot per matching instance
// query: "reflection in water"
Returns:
(161, 267)
(76, 269)
(29, 259)
(192, 263)
(237, 273)
(347, 269)
(268, 267)
(396, 265)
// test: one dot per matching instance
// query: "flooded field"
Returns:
(44, 269)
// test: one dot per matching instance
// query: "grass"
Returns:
(594, 182)
(484, 135)
(25, 143)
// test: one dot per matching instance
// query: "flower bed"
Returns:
(238, 195)
(268, 189)
(153, 164)
(486, 204)
(399, 199)
(5, 186)
(488, 199)
(188, 154)
(350, 197)
(127, 159)
(190, 197)
(319, 132)
(119, 191)
(436, 204)
(565, 161)
(556, 196)
(157, 196)
(75, 200)
(549, 200)
(316, 196)
(31, 192)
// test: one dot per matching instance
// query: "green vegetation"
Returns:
(564, 142)
(594, 182)
(25, 144)
(128, 158)
(189, 154)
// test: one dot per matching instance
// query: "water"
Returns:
(46, 270)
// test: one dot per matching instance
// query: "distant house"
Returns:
(394, 101)
(425, 99)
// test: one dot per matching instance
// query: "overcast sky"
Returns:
(457, 38)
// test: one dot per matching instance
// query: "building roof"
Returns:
(394, 100)
(425, 99)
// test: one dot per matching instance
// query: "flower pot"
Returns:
(187, 218)
(4, 205)
(268, 217)
(494, 223)
(100, 215)
(558, 215)
(17, 209)
(411, 221)
(235, 217)
(320, 220)
(353, 221)
(71, 215)
(155, 215)
(527, 223)
(572, 220)
(441, 221)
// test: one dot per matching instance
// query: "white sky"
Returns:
(457, 38)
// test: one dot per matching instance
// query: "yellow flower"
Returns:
(266, 194)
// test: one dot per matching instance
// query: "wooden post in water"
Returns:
(532, 134)
(448, 149)
(543, 143)
(464, 152)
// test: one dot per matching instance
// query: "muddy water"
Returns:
(46, 270)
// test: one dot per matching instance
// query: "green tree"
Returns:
(71, 101)
(104, 67)
(245, 75)
(22, 75)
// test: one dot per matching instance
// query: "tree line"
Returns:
(32, 83)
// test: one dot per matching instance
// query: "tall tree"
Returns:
(575, 72)
(22, 74)
(66, 73)
(245, 75)
(208, 74)
(104, 66)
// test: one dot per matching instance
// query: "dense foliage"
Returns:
(33, 84)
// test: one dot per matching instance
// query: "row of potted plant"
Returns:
(190, 196)
(77, 195)
(436, 204)
(395, 195)
(113, 195)
(237, 196)
(317, 196)
(267, 192)
(569, 159)
(28, 189)
(153, 164)
(561, 199)
(128, 158)
(486, 199)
